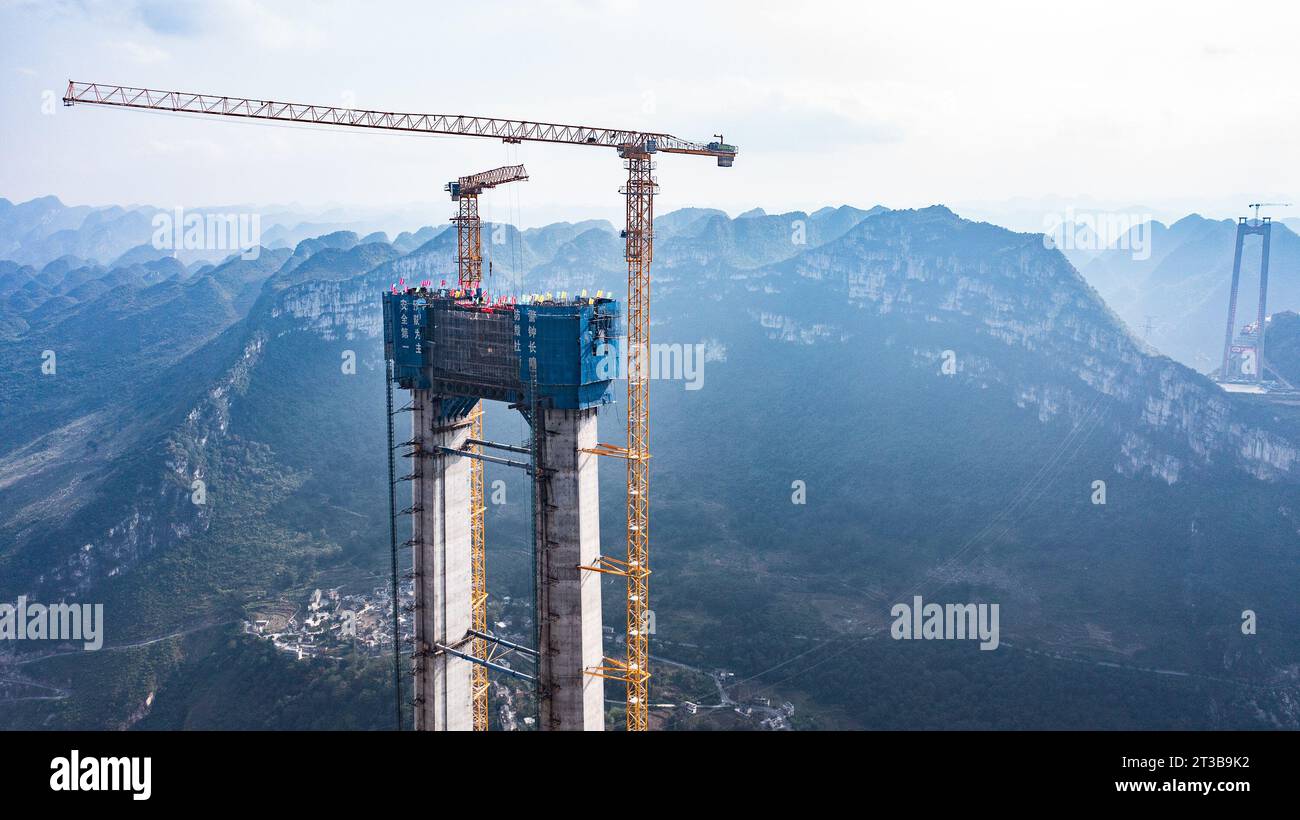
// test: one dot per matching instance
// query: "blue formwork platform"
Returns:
(469, 347)
(404, 322)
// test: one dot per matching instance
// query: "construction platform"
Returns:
(479, 348)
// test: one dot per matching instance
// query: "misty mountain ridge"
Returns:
(41, 230)
(1178, 285)
(973, 483)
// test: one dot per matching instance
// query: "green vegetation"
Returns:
(970, 487)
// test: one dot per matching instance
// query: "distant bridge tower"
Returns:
(1243, 354)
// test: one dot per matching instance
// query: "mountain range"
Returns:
(1171, 282)
(945, 395)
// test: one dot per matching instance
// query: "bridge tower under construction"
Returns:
(553, 360)
(1243, 348)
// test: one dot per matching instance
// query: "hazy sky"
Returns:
(1000, 110)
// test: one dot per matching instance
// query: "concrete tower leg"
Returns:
(442, 565)
(1262, 314)
(568, 535)
(1226, 370)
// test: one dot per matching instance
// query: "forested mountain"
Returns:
(947, 394)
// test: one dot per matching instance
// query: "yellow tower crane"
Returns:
(469, 270)
(637, 149)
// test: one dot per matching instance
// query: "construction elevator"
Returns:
(554, 361)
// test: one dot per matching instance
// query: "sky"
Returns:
(1010, 112)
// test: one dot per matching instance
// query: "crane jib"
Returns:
(449, 124)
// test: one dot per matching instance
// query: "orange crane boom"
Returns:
(469, 234)
(451, 124)
(475, 184)
(637, 149)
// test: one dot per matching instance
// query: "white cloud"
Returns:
(268, 28)
(829, 103)
(190, 150)
(141, 53)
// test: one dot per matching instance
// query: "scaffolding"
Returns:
(472, 346)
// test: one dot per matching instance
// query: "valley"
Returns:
(944, 392)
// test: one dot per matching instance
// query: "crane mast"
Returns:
(640, 192)
(469, 272)
(637, 149)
